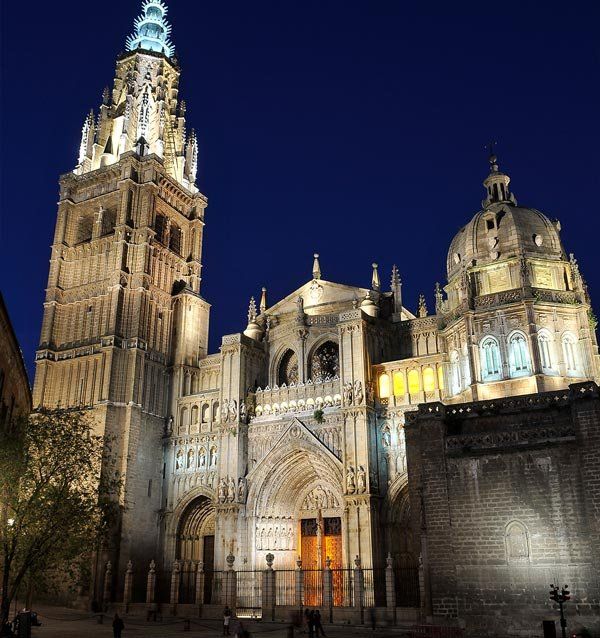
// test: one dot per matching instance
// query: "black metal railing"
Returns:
(407, 586)
(249, 593)
(285, 587)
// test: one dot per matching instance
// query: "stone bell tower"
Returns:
(123, 317)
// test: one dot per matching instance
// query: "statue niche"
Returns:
(325, 362)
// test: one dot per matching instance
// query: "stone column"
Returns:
(200, 583)
(390, 588)
(299, 583)
(151, 584)
(230, 584)
(128, 584)
(175, 582)
(328, 591)
(106, 593)
(268, 590)
(359, 591)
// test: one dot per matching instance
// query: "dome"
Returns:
(502, 231)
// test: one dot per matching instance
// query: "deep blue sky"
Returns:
(355, 128)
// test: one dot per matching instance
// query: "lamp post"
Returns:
(561, 597)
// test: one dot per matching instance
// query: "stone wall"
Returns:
(505, 496)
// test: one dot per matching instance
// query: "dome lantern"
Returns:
(496, 184)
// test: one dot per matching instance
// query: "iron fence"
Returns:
(285, 587)
(374, 587)
(407, 586)
(313, 588)
(342, 587)
(249, 593)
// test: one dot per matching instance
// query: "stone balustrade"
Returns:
(297, 397)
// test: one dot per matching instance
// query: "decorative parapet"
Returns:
(298, 397)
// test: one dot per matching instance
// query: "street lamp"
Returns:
(561, 597)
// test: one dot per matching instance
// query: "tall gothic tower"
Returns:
(124, 322)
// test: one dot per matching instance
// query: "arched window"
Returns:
(490, 359)
(414, 382)
(455, 380)
(545, 345)
(384, 386)
(175, 239)
(440, 373)
(399, 385)
(569, 346)
(288, 369)
(517, 542)
(518, 355)
(325, 362)
(160, 227)
(428, 380)
(194, 414)
(216, 412)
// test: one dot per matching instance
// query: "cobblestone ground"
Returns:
(59, 622)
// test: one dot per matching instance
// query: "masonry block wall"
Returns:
(505, 499)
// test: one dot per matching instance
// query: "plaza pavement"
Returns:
(60, 622)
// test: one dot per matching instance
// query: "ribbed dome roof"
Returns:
(501, 231)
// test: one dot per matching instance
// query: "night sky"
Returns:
(351, 128)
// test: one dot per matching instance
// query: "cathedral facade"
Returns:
(289, 440)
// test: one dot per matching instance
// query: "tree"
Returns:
(57, 495)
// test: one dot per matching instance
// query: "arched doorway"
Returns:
(403, 546)
(196, 541)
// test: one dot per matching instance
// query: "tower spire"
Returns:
(151, 30)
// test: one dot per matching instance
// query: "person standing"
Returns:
(318, 625)
(226, 620)
(118, 626)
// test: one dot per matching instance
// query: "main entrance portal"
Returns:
(321, 539)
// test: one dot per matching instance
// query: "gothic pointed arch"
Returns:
(287, 368)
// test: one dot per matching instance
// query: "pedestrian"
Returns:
(226, 620)
(118, 626)
(318, 624)
(305, 618)
(311, 624)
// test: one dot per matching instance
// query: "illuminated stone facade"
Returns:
(505, 498)
(290, 439)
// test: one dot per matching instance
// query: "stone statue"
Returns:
(231, 490)
(358, 393)
(243, 412)
(350, 481)
(361, 480)
(222, 491)
(387, 438)
(369, 390)
(241, 490)
(202, 458)
(170, 425)
(179, 460)
(348, 393)
(233, 410)
(225, 412)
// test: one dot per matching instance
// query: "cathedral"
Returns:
(290, 439)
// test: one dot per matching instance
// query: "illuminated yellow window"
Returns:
(384, 386)
(441, 377)
(414, 383)
(428, 380)
(399, 385)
